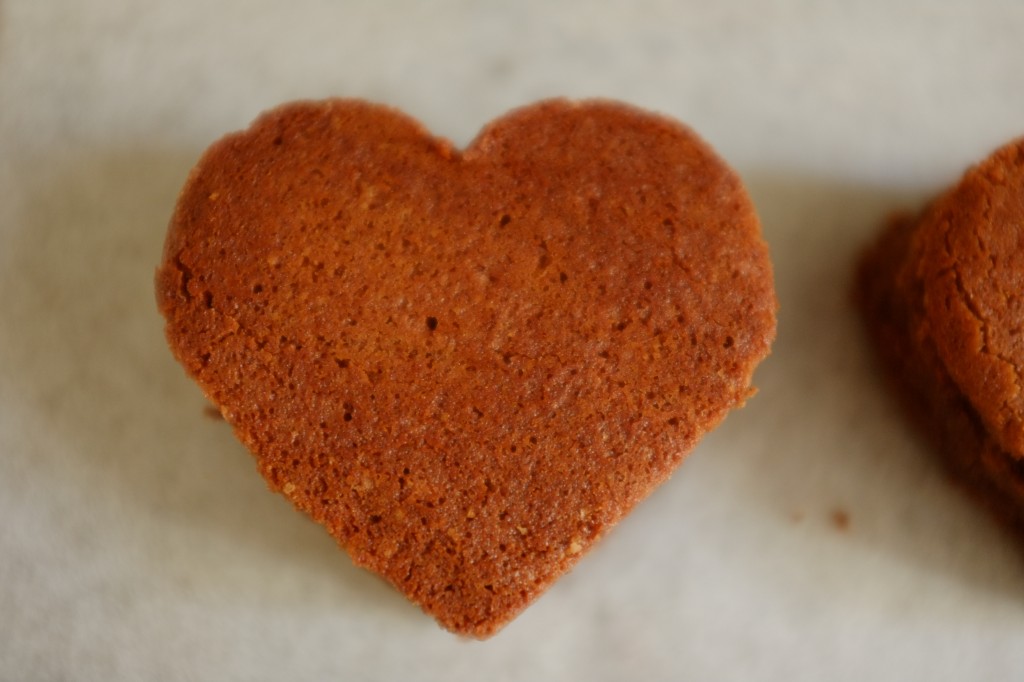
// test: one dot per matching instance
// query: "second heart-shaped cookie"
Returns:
(469, 365)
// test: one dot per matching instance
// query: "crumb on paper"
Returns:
(840, 519)
(212, 412)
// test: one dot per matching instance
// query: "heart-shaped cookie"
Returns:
(940, 294)
(468, 365)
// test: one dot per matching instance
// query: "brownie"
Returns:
(467, 365)
(943, 297)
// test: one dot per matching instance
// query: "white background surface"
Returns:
(137, 540)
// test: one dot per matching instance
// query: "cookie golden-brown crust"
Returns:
(941, 294)
(467, 366)
(972, 264)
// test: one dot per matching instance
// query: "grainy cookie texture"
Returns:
(467, 365)
(943, 296)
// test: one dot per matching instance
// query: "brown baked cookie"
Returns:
(467, 365)
(943, 296)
